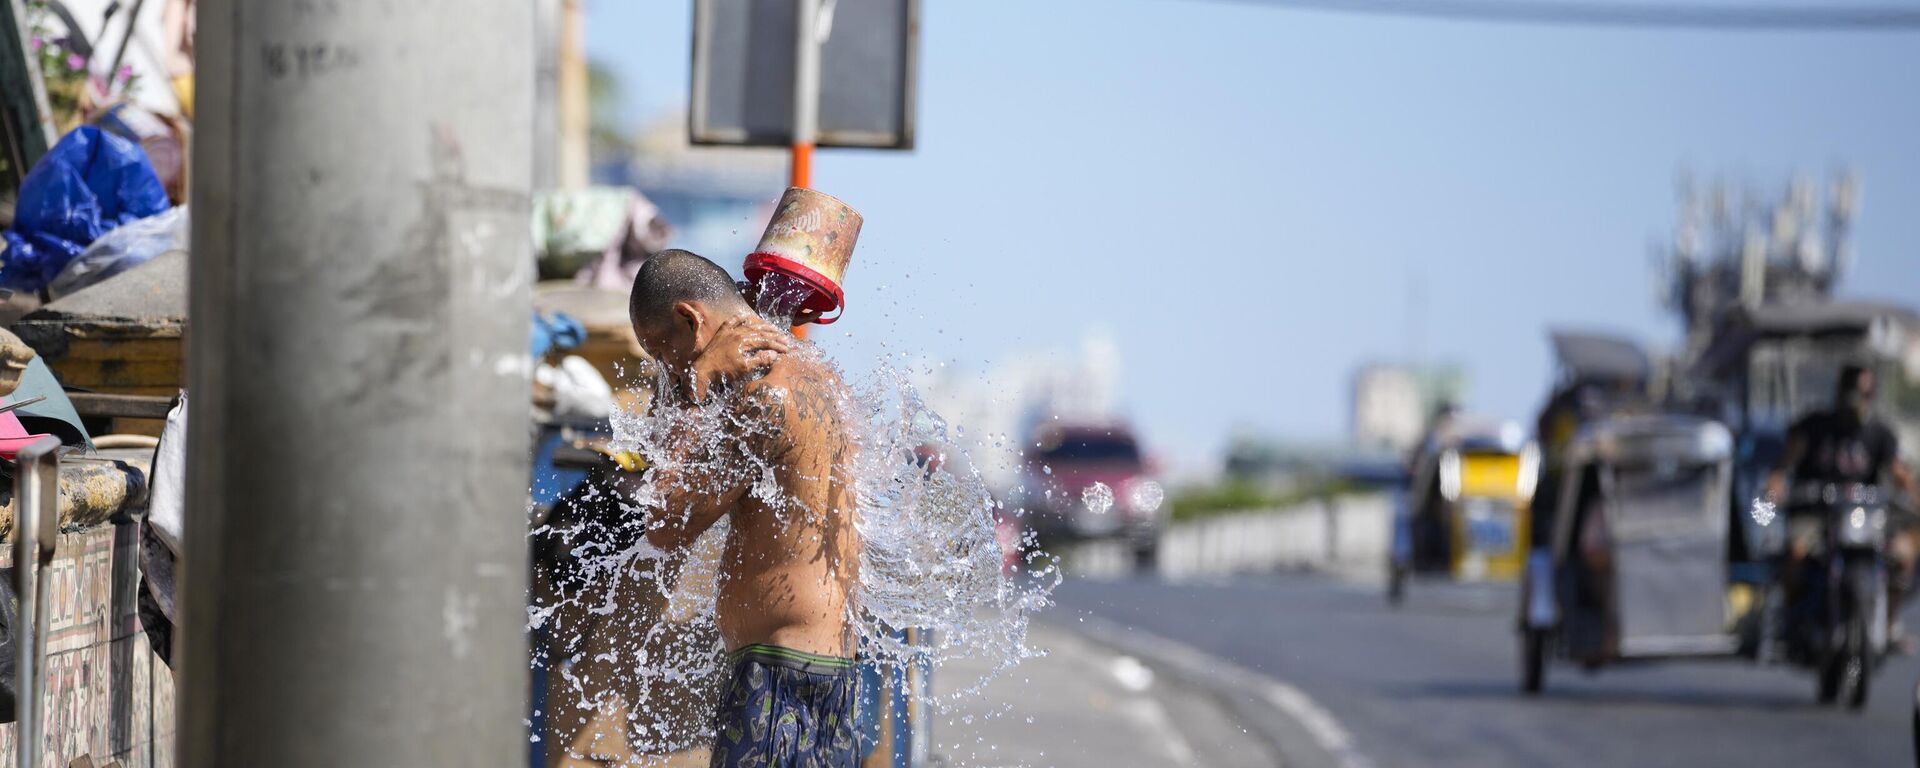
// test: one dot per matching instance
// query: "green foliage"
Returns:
(607, 133)
(1194, 502)
(63, 70)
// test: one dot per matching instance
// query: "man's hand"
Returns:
(1776, 487)
(1790, 455)
(1903, 477)
(741, 347)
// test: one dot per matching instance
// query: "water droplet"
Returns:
(1098, 498)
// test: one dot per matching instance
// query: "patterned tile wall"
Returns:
(108, 697)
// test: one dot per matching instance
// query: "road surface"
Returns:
(1082, 705)
(1434, 682)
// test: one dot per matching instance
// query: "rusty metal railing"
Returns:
(36, 531)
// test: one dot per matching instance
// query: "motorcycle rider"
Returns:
(1845, 444)
(1430, 533)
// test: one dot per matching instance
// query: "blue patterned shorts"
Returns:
(787, 709)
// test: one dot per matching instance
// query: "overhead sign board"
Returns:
(743, 73)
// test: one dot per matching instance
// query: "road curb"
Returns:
(1294, 728)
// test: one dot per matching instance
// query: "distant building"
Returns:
(1392, 403)
(1388, 410)
(1283, 465)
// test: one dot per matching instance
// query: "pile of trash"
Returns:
(91, 208)
(95, 251)
(92, 188)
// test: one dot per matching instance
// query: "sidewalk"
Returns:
(1083, 705)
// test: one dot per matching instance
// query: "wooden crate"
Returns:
(112, 357)
(124, 335)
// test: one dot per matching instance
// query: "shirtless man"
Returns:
(791, 557)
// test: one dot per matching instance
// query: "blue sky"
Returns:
(1242, 195)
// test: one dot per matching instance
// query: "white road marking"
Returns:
(1139, 704)
(1153, 715)
(1321, 725)
(1131, 674)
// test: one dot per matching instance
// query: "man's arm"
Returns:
(692, 496)
(692, 500)
(684, 515)
(1790, 456)
(1904, 477)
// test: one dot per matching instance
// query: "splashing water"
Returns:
(632, 636)
(631, 644)
(1098, 498)
(1147, 496)
(932, 556)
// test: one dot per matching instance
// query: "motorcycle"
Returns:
(1838, 626)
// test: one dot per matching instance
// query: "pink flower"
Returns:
(38, 43)
(126, 72)
(74, 61)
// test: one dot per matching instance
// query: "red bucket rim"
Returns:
(826, 297)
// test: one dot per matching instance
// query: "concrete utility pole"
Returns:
(356, 546)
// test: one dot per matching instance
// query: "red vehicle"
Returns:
(1091, 482)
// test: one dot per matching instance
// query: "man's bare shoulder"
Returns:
(803, 397)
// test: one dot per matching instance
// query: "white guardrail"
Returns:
(1347, 533)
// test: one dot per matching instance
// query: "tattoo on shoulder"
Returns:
(813, 401)
(760, 413)
(774, 410)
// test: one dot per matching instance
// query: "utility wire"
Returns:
(1855, 18)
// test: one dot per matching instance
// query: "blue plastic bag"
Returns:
(122, 249)
(88, 184)
(556, 330)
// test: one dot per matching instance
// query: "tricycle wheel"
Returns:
(1847, 667)
(1853, 679)
(1831, 670)
(1916, 725)
(1533, 660)
(1856, 664)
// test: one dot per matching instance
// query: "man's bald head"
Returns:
(678, 302)
(674, 276)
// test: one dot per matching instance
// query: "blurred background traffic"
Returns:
(1220, 291)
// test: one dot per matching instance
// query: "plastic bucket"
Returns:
(808, 243)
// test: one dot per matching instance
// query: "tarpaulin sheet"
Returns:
(88, 184)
